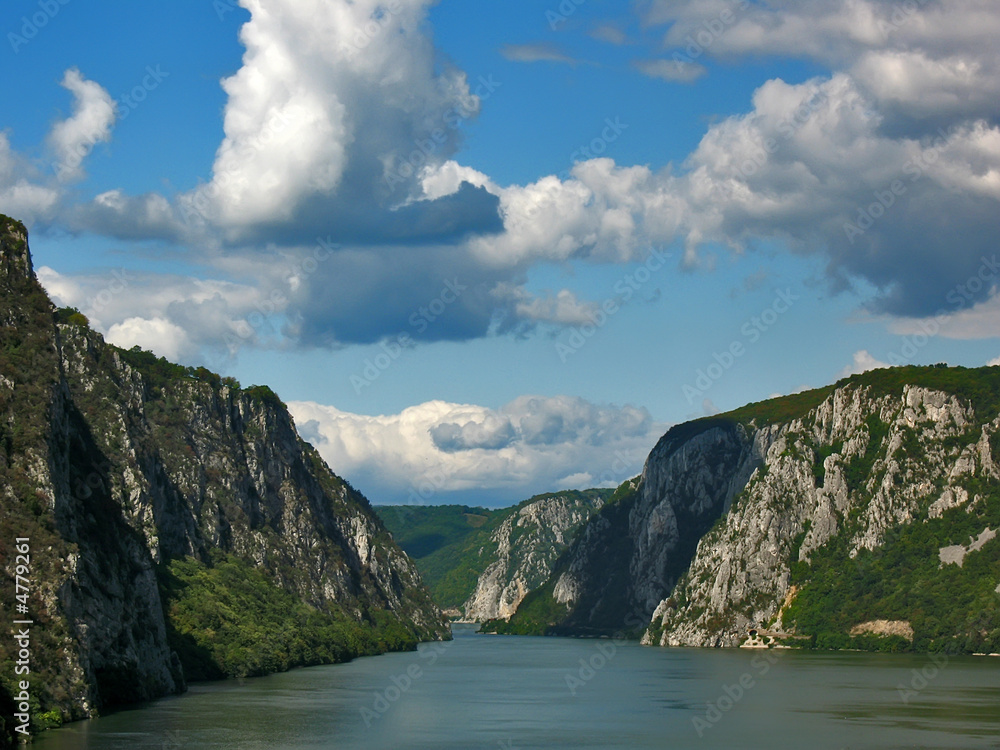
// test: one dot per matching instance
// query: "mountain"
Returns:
(178, 526)
(859, 515)
(444, 542)
(480, 563)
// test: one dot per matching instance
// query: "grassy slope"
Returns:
(450, 544)
(445, 542)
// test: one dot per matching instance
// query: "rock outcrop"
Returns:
(526, 545)
(744, 522)
(114, 462)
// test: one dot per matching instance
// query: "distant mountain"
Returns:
(859, 515)
(480, 563)
(178, 526)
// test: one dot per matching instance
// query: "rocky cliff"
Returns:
(813, 516)
(631, 553)
(524, 548)
(844, 522)
(115, 464)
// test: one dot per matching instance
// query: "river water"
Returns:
(519, 693)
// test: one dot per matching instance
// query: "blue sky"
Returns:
(485, 248)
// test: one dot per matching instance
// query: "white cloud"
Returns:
(331, 100)
(435, 449)
(862, 362)
(564, 308)
(74, 138)
(542, 52)
(677, 71)
(335, 97)
(155, 334)
(607, 32)
(20, 196)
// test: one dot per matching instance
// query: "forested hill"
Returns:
(178, 526)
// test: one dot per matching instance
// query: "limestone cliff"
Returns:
(884, 455)
(115, 463)
(807, 516)
(525, 547)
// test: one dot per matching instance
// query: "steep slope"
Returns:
(837, 515)
(122, 469)
(524, 548)
(479, 562)
(844, 523)
(629, 555)
(443, 541)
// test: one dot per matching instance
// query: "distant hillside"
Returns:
(482, 562)
(443, 541)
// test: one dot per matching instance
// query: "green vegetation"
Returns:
(158, 373)
(597, 612)
(451, 544)
(71, 316)
(903, 579)
(778, 410)
(228, 619)
(538, 614)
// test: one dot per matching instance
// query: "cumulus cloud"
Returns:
(155, 334)
(343, 124)
(35, 196)
(862, 362)
(72, 139)
(22, 192)
(921, 61)
(437, 449)
(178, 317)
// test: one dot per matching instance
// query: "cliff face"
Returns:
(115, 463)
(840, 485)
(819, 515)
(629, 555)
(526, 545)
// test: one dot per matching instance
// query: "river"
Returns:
(519, 693)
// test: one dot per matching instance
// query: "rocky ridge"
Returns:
(526, 545)
(115, 463)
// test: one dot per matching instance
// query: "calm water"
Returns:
(518, 693)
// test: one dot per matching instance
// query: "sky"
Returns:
(486, 250)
